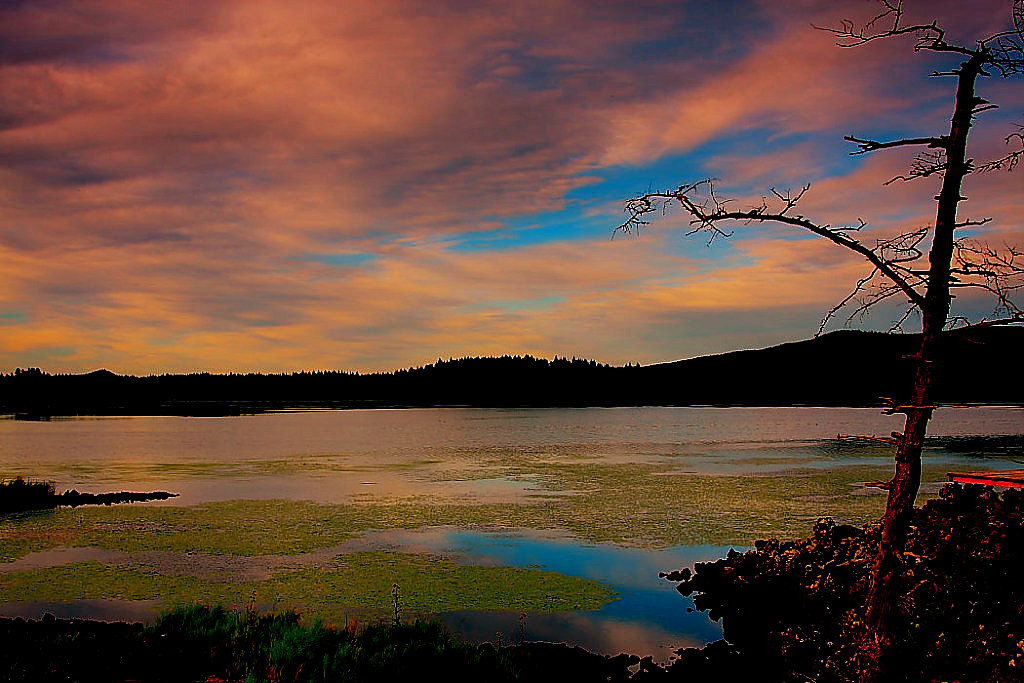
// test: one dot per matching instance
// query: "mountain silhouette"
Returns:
(849, 368)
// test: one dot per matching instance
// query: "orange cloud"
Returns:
(176, 181)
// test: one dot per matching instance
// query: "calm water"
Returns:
(339, 456)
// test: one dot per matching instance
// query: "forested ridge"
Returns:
(841, 368)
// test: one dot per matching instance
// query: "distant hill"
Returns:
(841, 368)
(852, 368)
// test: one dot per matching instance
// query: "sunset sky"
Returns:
(310, 184)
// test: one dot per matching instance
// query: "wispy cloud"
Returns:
(277, 185)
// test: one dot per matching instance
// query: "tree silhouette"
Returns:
(899, 267)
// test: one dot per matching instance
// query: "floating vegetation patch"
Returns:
(642, 505)
(358, 581)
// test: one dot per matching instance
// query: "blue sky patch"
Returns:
(350, 260)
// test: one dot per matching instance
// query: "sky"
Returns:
(279, 185)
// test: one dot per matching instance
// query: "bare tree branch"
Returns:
(925, 164)
(982, 324)
(970, 221)
(897, 325)
(874, 145)
(857, 289)
(709, 211)
(1010, 161)
(998, 271)
(1003, 51)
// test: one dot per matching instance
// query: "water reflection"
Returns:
(337, 456)
(648, 617)
(604, 635)
(468, 456)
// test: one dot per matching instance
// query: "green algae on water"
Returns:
(357, 581)
(630, 504)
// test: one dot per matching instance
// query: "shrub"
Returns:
(796, 607)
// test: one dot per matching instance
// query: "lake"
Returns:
(606, 495)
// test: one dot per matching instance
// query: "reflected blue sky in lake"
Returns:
(649, 615)
(649, 610)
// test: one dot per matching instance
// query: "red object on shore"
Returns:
(1008, 478)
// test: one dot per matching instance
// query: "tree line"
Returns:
(875, 368)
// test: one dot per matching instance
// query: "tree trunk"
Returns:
(883, 616)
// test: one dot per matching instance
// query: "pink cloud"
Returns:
(166, 177)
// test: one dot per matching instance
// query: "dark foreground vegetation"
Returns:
(791, 611)
(214, 644)
(795, 609)
(19, 495)
(841, 368)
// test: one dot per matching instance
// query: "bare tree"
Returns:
(899, 268)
